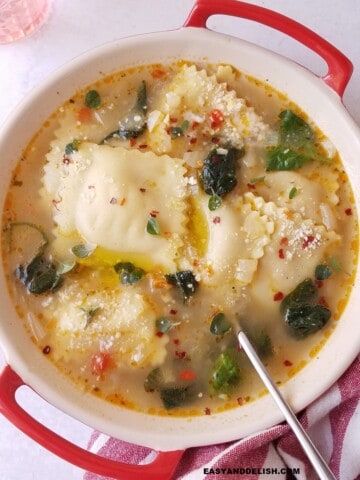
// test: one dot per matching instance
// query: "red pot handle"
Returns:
(162, 468)
(339, 67)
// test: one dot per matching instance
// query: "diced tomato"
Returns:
(100, 362)
(187, 375)
(85, 114)
(216, 118)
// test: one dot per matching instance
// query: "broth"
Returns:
(157, 205)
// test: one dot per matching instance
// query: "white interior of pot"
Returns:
(316, 99)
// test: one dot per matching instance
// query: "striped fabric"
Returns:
(332, 422)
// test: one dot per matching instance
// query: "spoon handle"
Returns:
(320, 466)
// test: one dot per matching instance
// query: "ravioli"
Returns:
(107, 195)
(192, 96)
(123, 323)
(238, 234)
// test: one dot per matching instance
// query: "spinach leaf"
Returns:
(164, 324)
(90, 314)
(296, 145)
(153, 226)
(175, 396)
(172, 395)
(294, 132)
(133, 124)
(218, 176)
(185, 281)
(302, 315)
(92, 99)
(220, 324)
(72, 147)
(322, 272)
(305, 293)
(293, 192)
(261, 341)
(128, 273)
(176, 132)
(214, 203)
(225, 373)
(304, 320)
(284, 158)
(39, 275)
(83, 250)
(154, 380)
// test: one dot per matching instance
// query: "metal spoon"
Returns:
(319, 464)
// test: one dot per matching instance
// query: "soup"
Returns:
(157, 207)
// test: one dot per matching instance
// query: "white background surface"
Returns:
(75, 26)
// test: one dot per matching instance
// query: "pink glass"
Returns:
(20, 18)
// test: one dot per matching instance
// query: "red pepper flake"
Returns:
(187, 375)
(207, 411)
(216, 220)
(194, 125)
(168, 130)
(122, 201)
(159, 334)
(216, 118)
(240, 400)
(281, 253)
(322, 301)
(173, 311)
(142, 190)
(173, 119)
(309, 239)
(251, 186)
(46, 350)
(154, 213)
(180, 355)
(278, 296)
(66, 160)
(215, 140)
(318, 283)
(158, 73)
(284, 242)
(143, 145)
(113, 201)
(176, 341)
(348, 212)
(287, 363)
(132, 142)
(193, 140)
